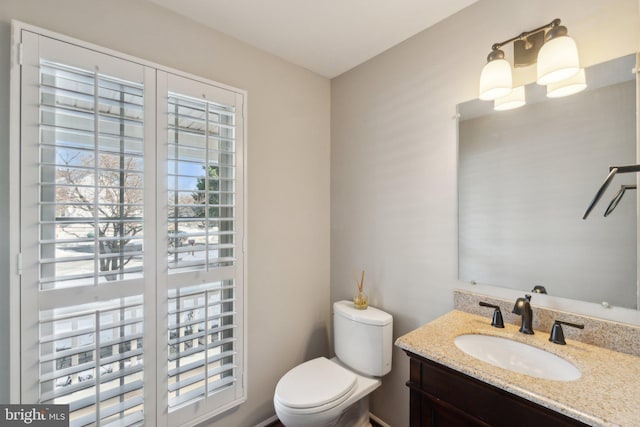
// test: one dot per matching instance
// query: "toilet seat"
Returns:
(315, 386)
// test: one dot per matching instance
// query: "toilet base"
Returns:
(356, 415)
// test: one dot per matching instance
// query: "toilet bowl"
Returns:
(335, 392)
(323, 392)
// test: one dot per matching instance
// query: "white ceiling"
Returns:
(328, 37)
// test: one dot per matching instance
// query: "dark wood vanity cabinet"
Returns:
(443, 397)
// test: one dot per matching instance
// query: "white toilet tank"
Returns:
(363, 339)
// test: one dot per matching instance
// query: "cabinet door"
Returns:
(428, 411)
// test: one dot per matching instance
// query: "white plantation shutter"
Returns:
(91, 177)
(83, 207)
(202, 184)
(91, 357)
(201, 342)
(131, 236)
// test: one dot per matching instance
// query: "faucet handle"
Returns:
(496, 321)
(557, 334)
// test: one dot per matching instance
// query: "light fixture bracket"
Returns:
(525, 50)
(527, 44)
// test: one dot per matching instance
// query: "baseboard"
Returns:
(378, 421)
(267, 422)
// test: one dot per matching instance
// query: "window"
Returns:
(131, 237)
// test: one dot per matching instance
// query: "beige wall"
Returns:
(288, 166)
(393, 156)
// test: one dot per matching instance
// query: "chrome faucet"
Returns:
(523, 308)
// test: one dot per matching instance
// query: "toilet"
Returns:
(335, 392)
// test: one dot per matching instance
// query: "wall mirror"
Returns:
(526, 177)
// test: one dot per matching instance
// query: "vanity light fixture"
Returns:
(549, 46)
(558, 57)
(513, 100)
(567, 87)
(495, 79)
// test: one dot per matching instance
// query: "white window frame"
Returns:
(155, 410)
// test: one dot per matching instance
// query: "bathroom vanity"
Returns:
(443, 397)
(448, 387)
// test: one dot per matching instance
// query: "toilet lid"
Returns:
(315, 383)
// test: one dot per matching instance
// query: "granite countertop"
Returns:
(607, 394)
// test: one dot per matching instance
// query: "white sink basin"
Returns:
(518, 357)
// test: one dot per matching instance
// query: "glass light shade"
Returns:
(567, 87)
(557, 60)
(495, 80)
(514, 100)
